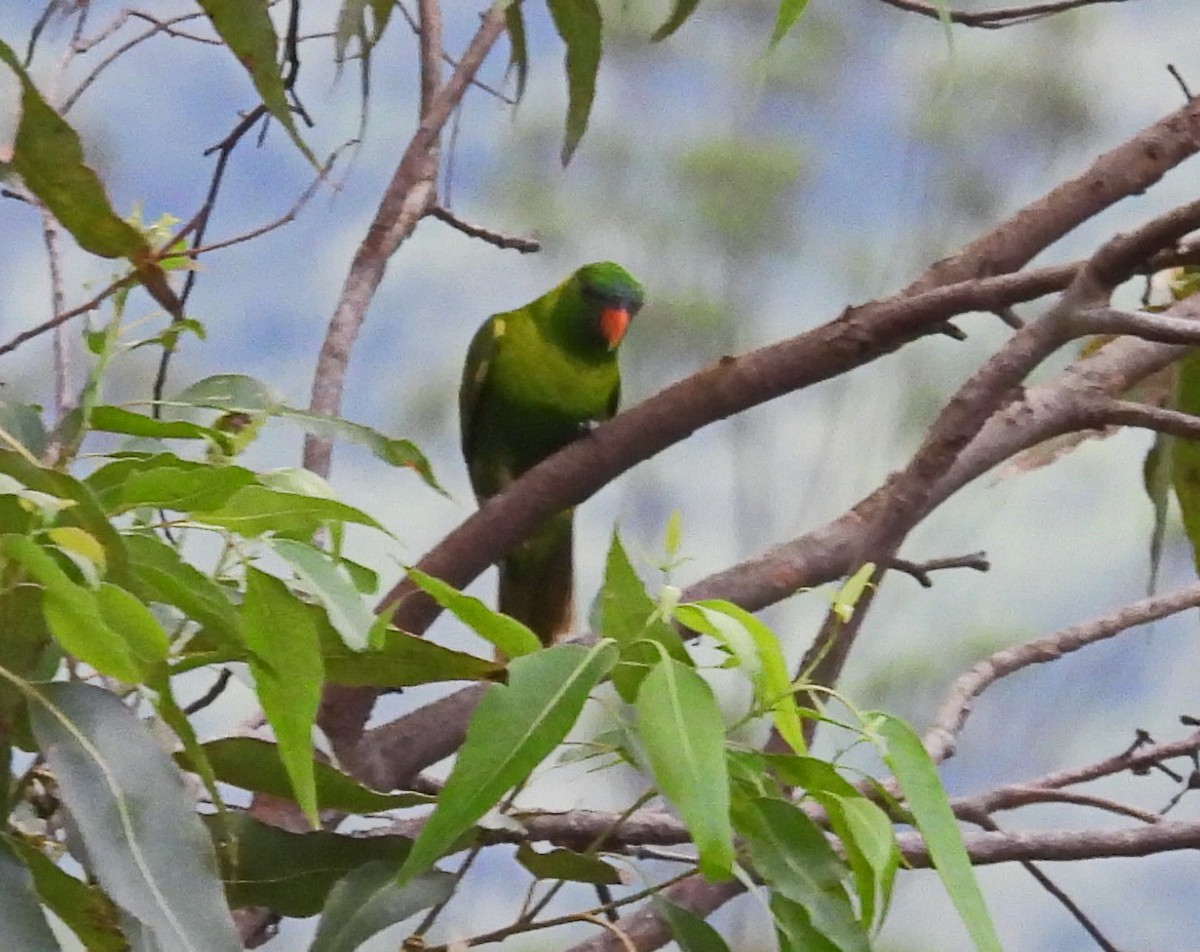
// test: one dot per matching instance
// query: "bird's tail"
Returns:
(537, 580)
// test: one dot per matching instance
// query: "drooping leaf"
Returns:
(758, 650)
(507, 634)
(392, 450)
(323, 577)
(83, 908)
(518, 57)
(580, 25)
(908, 760)
(691, 933)
(567, 864)
(514, 727)
(255, 765)
(246, 28)
(795, 929)
(135, 816)
(23, 925)
(292, 873)
(288, 674)
(683, 734)
(680, 12)
(49, 157)
(791, 853)
(368, 900)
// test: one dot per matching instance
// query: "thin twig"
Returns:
(499, 239)
(994, 19)
(942, 737)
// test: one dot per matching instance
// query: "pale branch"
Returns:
(1159, 328)
(994, 19)
(1016, 795)
(1159, 419)
(409, 195)
(942, 737)
(1064, 845)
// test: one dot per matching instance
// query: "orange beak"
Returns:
(613, 323)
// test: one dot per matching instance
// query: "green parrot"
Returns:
(536, 379)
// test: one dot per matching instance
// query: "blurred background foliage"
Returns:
(756, 196)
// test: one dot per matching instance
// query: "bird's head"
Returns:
(613, 295)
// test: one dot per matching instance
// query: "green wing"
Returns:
(480, 355)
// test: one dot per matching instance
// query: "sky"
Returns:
(904, 146)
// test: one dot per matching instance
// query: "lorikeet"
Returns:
(535, 379)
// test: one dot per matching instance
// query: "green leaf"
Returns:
(785, 19)
(692, 934)
(507, 634)
(124, 613)
(22, 423)
(518, 57)
(119, 420)
(165, 481)
(795, 929)
(403, 661)
(229, 393)
(791, 853)
(238, 393)
(514, 727)
(254, 510)
(322, 576)
(292, 873)
(26, 648)
(579, 24)
(288, 673)
(567, 864)
(73, 614)
(84, 909)
(135, 816)
(245, 26)
(757, 648)
(49, 157)
(81, 507)
(681, 729)
(908, 760)
(161, 575)
(679, 16)
(368, 900)
(393, 451)
(867, 834)
(255, 765)
(23, 925)
(624, 612)
(865, 830)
